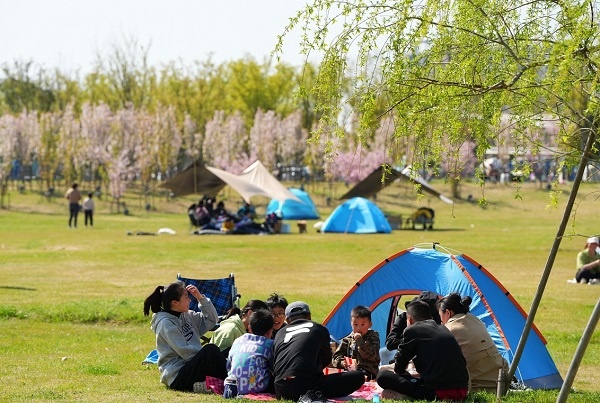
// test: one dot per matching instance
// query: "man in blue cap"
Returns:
(302, 351)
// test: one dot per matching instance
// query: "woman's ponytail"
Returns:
(154, 301)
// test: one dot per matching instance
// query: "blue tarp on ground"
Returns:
(292, 209)
(357, 216)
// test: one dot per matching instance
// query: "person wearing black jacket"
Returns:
(436, 356)
(301, 353)
(393, 338)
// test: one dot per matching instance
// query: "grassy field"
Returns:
(71, 323)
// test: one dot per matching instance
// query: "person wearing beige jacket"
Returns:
(484, 361)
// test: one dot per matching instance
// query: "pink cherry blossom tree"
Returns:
(292, 140)
(264, 136)
(96, 123)
(226, 143)
(71, 145)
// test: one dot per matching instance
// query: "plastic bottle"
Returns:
(352, 349)
(230, 387)
(376, 398)
(332, 344)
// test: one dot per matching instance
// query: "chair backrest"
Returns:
(222, 292)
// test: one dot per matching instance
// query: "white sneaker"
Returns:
(572, 281)
(200, 387)
(594, 281)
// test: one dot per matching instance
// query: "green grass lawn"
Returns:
(71, 322)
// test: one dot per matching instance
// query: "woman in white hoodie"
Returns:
(182, 360)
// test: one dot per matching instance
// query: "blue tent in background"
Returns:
(292, 209)
(417, 269)
(357, 216)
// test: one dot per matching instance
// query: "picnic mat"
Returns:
(366, 392)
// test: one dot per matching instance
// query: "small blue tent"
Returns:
(417, 269)
(293, 210)
(357, 216)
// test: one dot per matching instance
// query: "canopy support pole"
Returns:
(553, 252)
(583, 343)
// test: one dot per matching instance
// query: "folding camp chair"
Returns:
(222, 292)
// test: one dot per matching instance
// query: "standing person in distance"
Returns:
(74, 197)
(182, 360)
(302, 351)
(88, 209)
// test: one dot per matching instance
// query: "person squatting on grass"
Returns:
(588, 262)
(302, 351)
(182, 360)
(483, 358)
(362, 344)
(251, 356)
(437, 358)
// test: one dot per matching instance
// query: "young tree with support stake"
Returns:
(447, 70)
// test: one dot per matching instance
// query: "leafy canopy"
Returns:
(447, 70)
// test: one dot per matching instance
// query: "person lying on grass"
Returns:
(182, 360)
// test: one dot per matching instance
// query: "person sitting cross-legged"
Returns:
(182, 360)
(484, 361)
(302, 351)
(251, 356)
(437, 358)
(277, 304)
(362, 344)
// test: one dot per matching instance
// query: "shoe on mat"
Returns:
(200, 387)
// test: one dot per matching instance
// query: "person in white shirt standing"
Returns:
(88, 209)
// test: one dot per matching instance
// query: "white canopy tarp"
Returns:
(256, 180)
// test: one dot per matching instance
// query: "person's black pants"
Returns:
(333, 385)
(89, 214)
(405, 384)
(586, 275)
(73, 213)
(208, 361)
